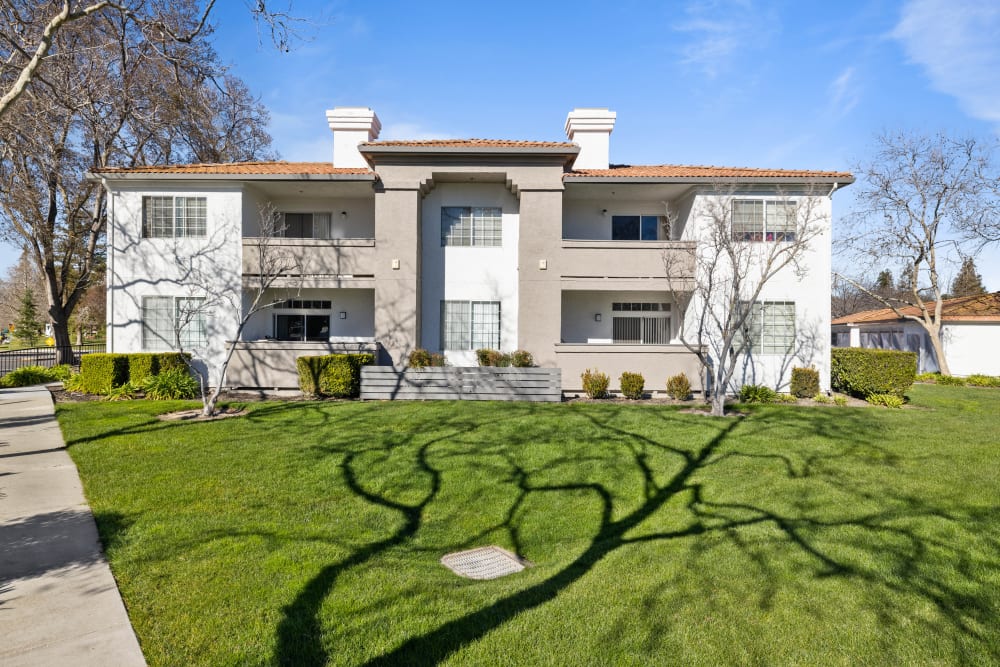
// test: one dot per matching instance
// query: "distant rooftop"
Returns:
(978, 308)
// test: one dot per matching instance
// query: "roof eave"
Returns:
(839, 181)
(167, 176)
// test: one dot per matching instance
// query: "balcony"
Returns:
(318, 262)
(655, 362)
(626, 265)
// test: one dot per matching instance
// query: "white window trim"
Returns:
(154, 341)
(767, 234)
(148, 227)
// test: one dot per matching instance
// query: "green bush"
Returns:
(521, 359)
(142, 366)
(25, 376)
(888, 400)
(861, 371)
(757, 393)
(840, 400)
(822, 398)
(166, 361)
(679, 387)
(125, 392)
(927, 377)
(170, 385)
(632, 385)
(74, 383)
(950, 380)
(487, 357)
(979, 380)
(421, 358)
(103, 372)
(595, 384)
(785, 398)
(805, 382)
(336, 375)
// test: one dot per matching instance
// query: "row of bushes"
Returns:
(761, 394)
(100, 373)
(862, 372)
(975, 380)
(421, 358)
(596, 383)
(332, 375)
(29, 375)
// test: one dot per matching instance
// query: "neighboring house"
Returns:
(452, 245)
(970, 331)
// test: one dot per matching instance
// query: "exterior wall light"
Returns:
(597, 317)
(343, 314)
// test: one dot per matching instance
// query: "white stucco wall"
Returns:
(808, 289)
(468, 273)
(972, 347)
(207, 267)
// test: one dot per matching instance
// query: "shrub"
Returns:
(141, 367)
(166, 361)
(437, 360)
(679, 387)
(124, 392)
(951, 380)
(487, 357)
(632, 385)
(170, 385)
(805, 382)
(103, 372)
(840, 400)
(927, 377)
(861, 371)
(888, 400)
(421, 358)
(74, 383)
(757, 393)
(822, 398)
(61, 372)
(336, 375)
(595, 384)
(979, 380)
(786, 398)
(521, 359)
(25, 376)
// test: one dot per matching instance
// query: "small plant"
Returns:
(521, 359)
(805, 382)
(951, 380)
(632, 385)
(437, 360)
(74, 383)
(979, 380)
(786, 398)
(124, 392)
(171, 385)
(487, 357)
(595, 384)
(61, 372)
(757, 393)
(840, 400)
(820, 397)
(421, 358)
(927, 377)
(888, 400)
(679, 387)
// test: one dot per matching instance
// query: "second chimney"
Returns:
(591, 129)
(351, 126)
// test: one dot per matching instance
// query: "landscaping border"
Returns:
(461, 383)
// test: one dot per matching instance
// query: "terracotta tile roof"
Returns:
(474, 143)
(236, 168)
(979, 308)
(707, 172)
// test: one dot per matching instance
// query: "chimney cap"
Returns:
(590, 119)
(354, 118)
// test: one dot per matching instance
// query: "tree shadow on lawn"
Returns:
(885, 532)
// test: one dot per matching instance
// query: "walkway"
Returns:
(59, 604)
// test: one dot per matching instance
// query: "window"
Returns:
(302, 327)
(770, 328)
(470, 325)
(471, 226)
(762, 220)
(639, 329)
(634, 227)
(173, 217)
(167, 320)
(307, 225)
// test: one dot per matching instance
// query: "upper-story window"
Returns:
(478, 226)
(173, 217)
(763, 220)
(307, 225)
(634, 227)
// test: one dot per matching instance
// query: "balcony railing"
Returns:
(632, 261)
(316, 259)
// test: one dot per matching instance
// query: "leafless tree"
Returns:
(113, 91)
(922, 200)
(210, 298)
(731, 268)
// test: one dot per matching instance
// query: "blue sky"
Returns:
(737, 82)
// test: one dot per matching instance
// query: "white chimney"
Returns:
(591, 129)
(351, 126)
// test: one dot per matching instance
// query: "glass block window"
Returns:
(780, 224)
(470, 325)
(174, 217)
(191, 322)
(770, 328)
(167, 320)
(471, 226)
(762, 220)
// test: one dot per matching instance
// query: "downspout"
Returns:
(109, 329)
(833, 189)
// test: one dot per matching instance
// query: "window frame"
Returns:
(324, 218)
(474, 331)
(767, 330)
(181, 336)
(643, 218)
(474, 227)
(744, 227)
(188, 217)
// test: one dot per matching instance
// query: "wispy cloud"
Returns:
(718, 31)
(412, 132)
(957, 42)
(844, 93)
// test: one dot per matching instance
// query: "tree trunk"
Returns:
(934, 332)
(60, 332)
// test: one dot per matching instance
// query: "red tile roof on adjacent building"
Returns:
(706, 172)
(473, 143)
(237, 168)
(979, 308)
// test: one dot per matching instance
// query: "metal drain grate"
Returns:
(483, 563)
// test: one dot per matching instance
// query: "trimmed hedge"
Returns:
(632, 385)
(805, 382)
(336, 375)
(862, 372)
(100, 373)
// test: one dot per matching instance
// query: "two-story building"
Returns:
(452, 246)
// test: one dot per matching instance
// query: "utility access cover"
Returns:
(484, 563)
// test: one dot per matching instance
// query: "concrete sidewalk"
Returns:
(59, 604)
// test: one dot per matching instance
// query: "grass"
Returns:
(310, 533)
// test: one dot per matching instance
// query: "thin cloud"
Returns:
(718, 30)
(844, 93)
(956, 42)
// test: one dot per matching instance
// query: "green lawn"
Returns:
(310, 533)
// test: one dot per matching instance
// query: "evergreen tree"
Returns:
(968, 282)
(27, 328)
(884, 284)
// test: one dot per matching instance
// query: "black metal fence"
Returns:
(11, 360)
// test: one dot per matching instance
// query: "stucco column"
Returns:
(539, 319)
(397, 271)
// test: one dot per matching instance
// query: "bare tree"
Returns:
(922, 200)
(732, 265)
(209, 297)
(113, 91)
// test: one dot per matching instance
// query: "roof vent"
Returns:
(351, 126)
(591, 129)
